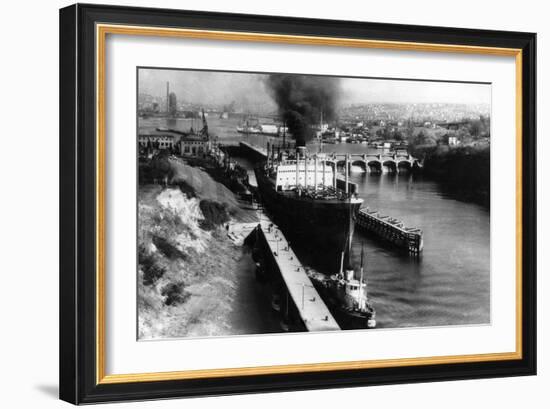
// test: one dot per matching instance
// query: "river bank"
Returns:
(463, 172)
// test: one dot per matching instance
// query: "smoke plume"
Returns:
(301, 99)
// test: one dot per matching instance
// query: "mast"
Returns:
(350, 231)
(321, 126)
(305, 170)
(362, 300)
(347, 174)
(347, 245)
(297, 167)
(315, 177)
(323, 178)
(284, 134)
(361, 277)
(204, 124)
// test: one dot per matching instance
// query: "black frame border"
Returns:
(78, 197)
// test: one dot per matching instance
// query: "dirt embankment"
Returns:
(189, 270)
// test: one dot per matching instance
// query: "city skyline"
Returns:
(249, 89)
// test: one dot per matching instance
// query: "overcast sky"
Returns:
(398, 91)
(249, 89)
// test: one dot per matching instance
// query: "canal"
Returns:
(449, 284)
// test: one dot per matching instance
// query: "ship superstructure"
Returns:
(301, 191)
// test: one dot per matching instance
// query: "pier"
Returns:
(391, 230)
(300, 303)
(252, 150)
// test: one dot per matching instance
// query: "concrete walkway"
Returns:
(312, 309)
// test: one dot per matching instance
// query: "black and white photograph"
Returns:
(275, 202)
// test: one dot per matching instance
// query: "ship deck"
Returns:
(327, 194)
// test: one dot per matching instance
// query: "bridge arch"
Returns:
(389, 166)
(404, 166)
(340, 164)
(374, 166)
(361, 164)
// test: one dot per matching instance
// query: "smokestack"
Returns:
(167, 97)
(347, 173)
(315, 170)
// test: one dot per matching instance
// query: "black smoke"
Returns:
(301, 99)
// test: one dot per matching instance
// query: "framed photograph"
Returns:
(257, 203)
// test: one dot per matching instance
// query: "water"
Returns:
(449, 284)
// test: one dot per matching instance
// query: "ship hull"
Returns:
(318, 224)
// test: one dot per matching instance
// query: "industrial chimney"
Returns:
(167, 97)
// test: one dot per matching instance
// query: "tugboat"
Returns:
(346, 296)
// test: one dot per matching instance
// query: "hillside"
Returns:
(190, 274)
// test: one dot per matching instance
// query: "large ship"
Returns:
(305, 197)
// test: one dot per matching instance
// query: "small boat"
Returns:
(248, 129)
(250, 126)
(346, 295)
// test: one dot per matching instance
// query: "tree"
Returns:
(475, 128)
(420, 138)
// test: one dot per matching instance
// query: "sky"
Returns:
(210, 87)
(400, 91)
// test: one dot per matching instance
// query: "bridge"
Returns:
(388, 162)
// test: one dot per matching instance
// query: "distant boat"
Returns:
(272, 129)
(250, 126)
